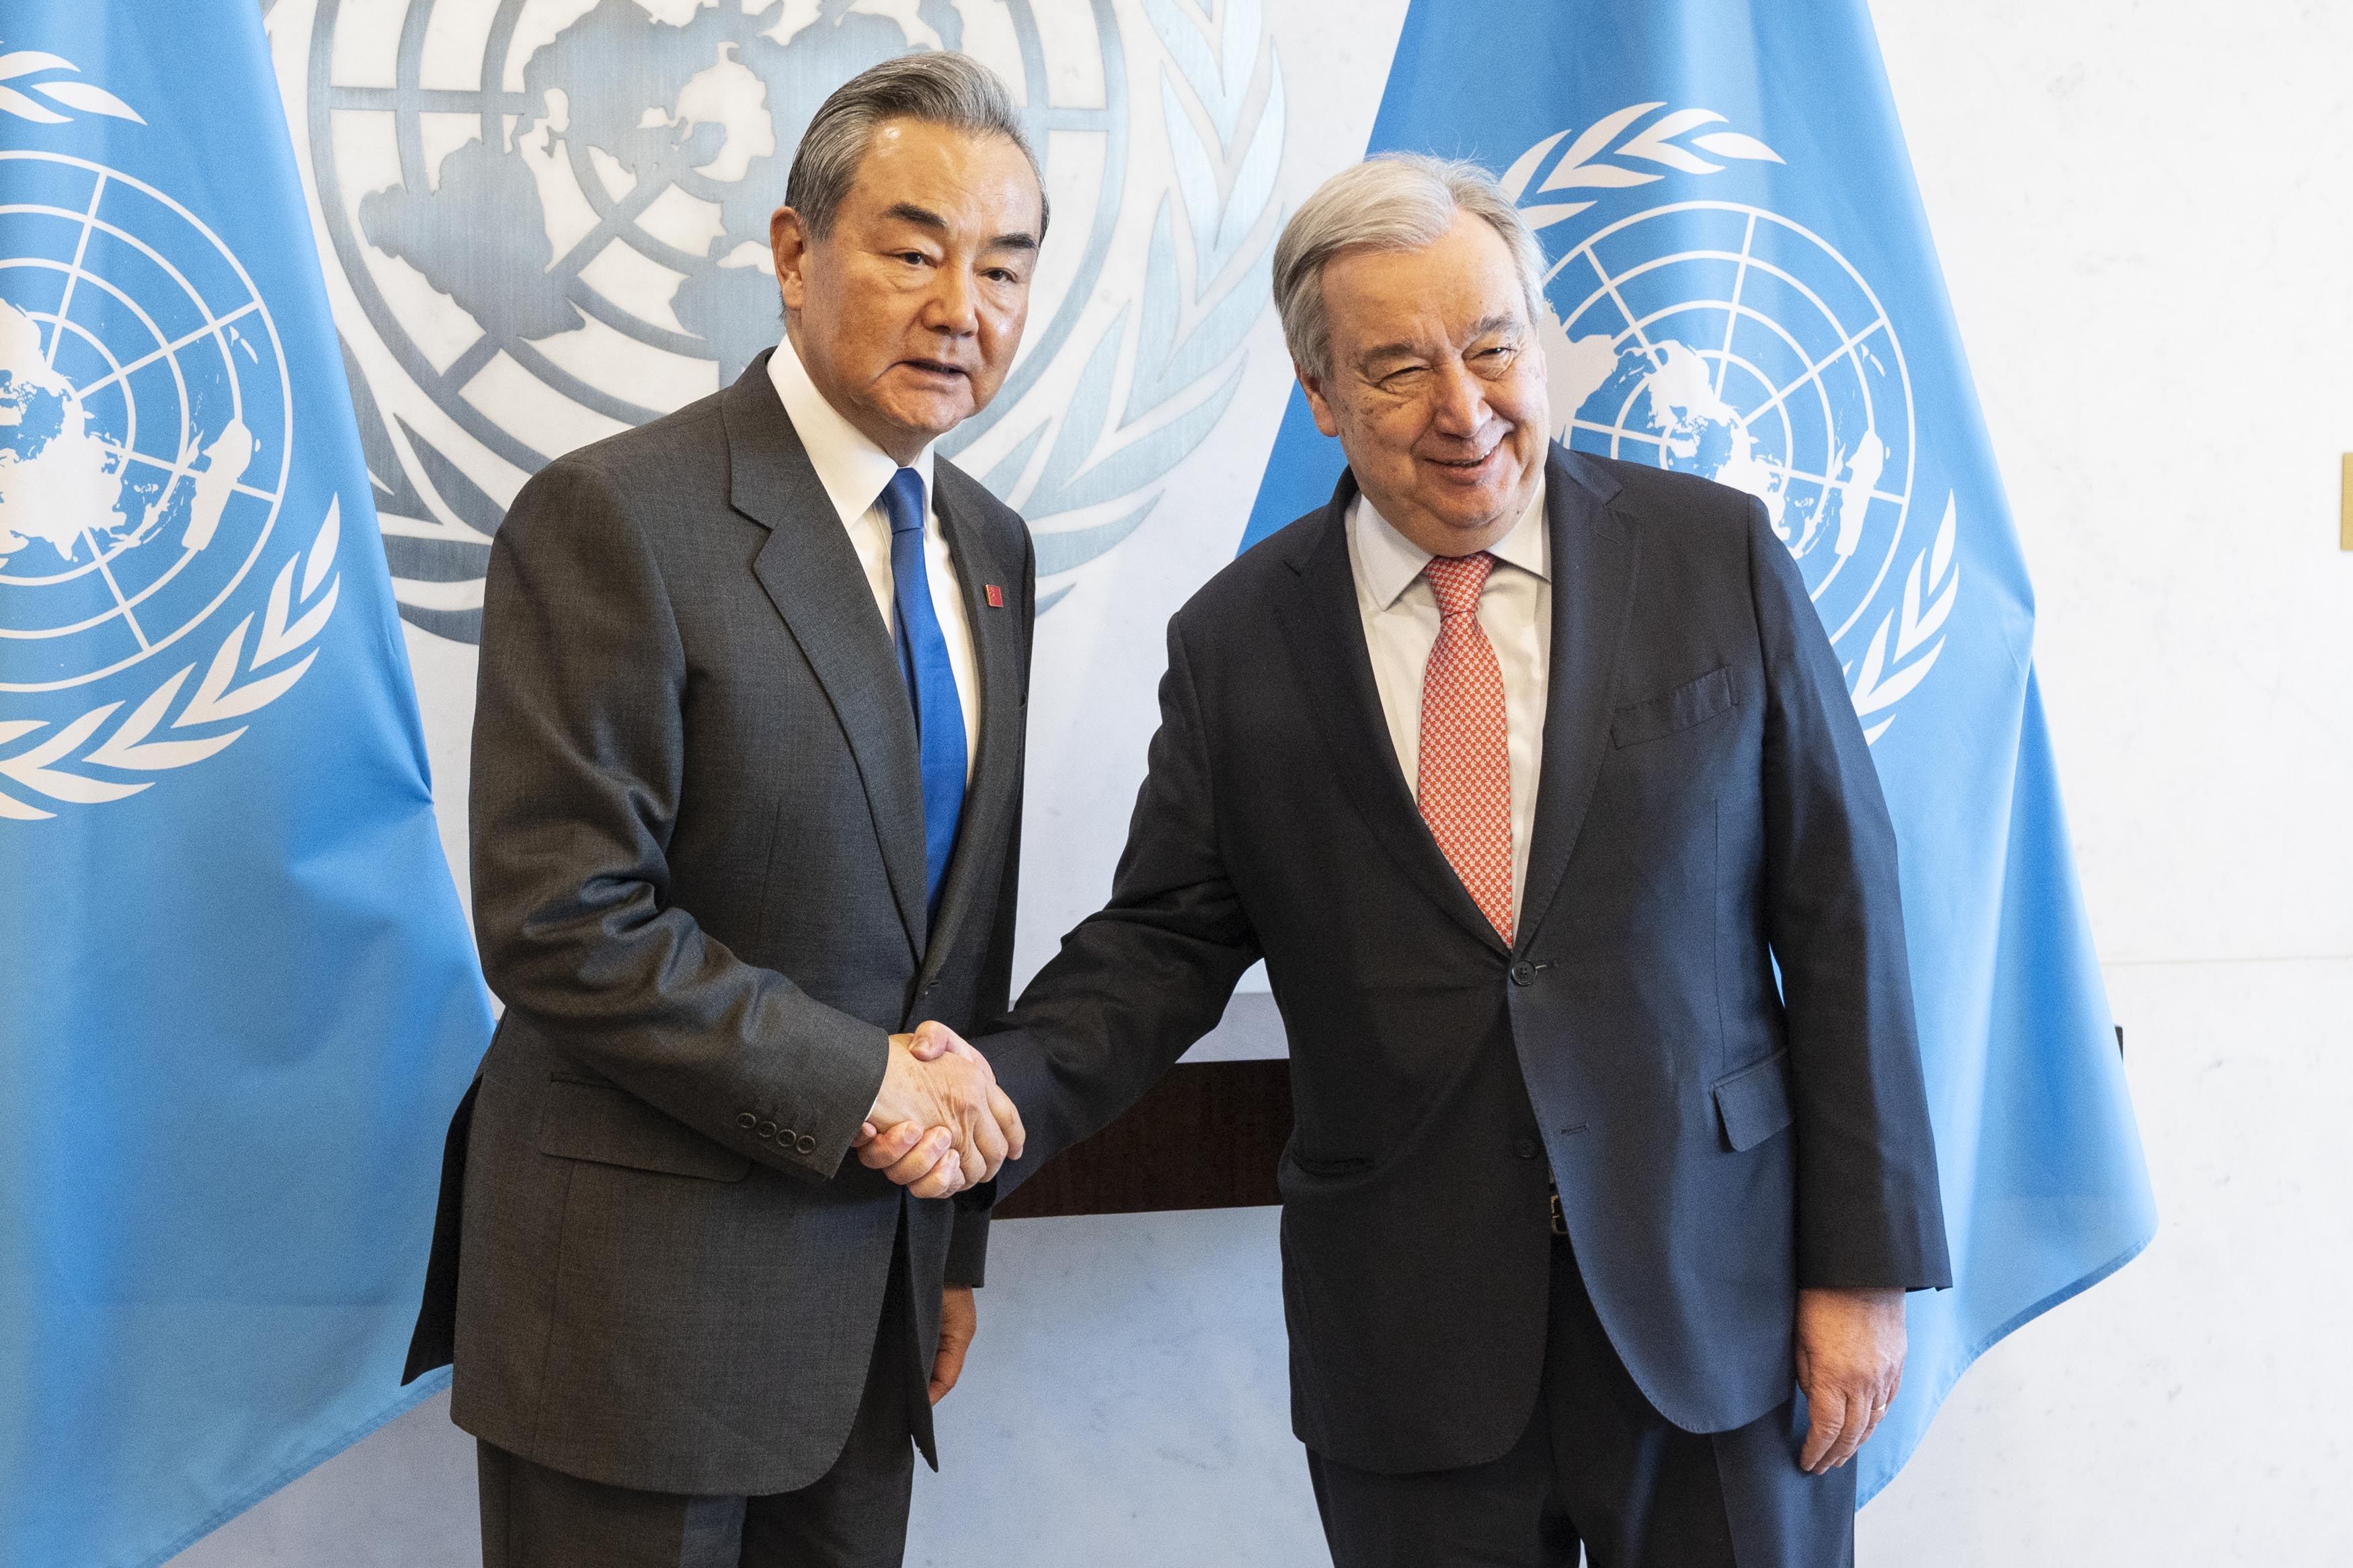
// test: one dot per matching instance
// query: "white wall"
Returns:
(2142, 209)
(2144, 213)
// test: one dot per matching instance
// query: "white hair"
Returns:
(1397, 201)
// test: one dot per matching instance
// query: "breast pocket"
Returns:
(1692, 703)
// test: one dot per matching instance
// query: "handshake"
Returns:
(940, 1124)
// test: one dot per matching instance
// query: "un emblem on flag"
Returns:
(1719, 337)
(146, 430)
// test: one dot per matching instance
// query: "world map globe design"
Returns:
(1722, 339)
(144, 421)
(583, 190)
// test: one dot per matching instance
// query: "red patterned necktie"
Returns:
(1465, 787)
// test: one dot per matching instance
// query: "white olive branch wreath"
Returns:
(1585, 165)
(1183, 344)
(49, 768)
(87, 96)
(1881, 684)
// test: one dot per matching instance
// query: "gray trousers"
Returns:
(854, 1516)
(1598, 1467)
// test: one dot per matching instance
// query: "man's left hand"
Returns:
(1850, 1362)
(959, 1319)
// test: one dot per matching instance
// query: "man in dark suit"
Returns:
(747, 793)
(1521, 769)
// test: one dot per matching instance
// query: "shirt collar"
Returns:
(850, 466)
(1392, 561)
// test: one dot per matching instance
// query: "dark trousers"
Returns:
(854, 1516)
(1599, 1467)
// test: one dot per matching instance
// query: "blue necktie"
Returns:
(930, 680)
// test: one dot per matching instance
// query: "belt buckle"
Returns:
(1560, 1221)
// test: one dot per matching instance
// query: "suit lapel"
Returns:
(1327, 635)
(811, 573)
(996, 642)
(1593, 564)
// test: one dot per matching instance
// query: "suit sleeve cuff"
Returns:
(834, 1106)
(1916, 1261)
(968, 1246)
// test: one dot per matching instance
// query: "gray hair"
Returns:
(1397, 201)
(937, 88)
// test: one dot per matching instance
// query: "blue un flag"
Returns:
(236, 995)
(1741, 285)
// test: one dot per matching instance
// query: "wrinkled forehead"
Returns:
(938, 167)
(1446, 294)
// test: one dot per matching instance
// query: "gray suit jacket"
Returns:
(699, 888)
(1707, 809)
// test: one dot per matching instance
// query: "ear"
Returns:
(789, 243)
(1325, 419)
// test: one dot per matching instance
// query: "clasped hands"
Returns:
(940, 1124)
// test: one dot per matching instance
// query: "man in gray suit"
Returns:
(746, 793)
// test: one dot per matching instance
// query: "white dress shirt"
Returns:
(854, 470)
(1400, 617)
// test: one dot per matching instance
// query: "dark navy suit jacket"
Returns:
(1707, 807)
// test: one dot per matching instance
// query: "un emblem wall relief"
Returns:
(545, 221)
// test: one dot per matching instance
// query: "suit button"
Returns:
(806, 1144)
(1525, 1148)
(747, 1122)
(786, 1137)
(1524, 974)
(767, 1130)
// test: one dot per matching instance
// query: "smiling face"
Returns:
(907, 312)
(1436, 387)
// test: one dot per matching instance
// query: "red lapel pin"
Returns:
(996, 596)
